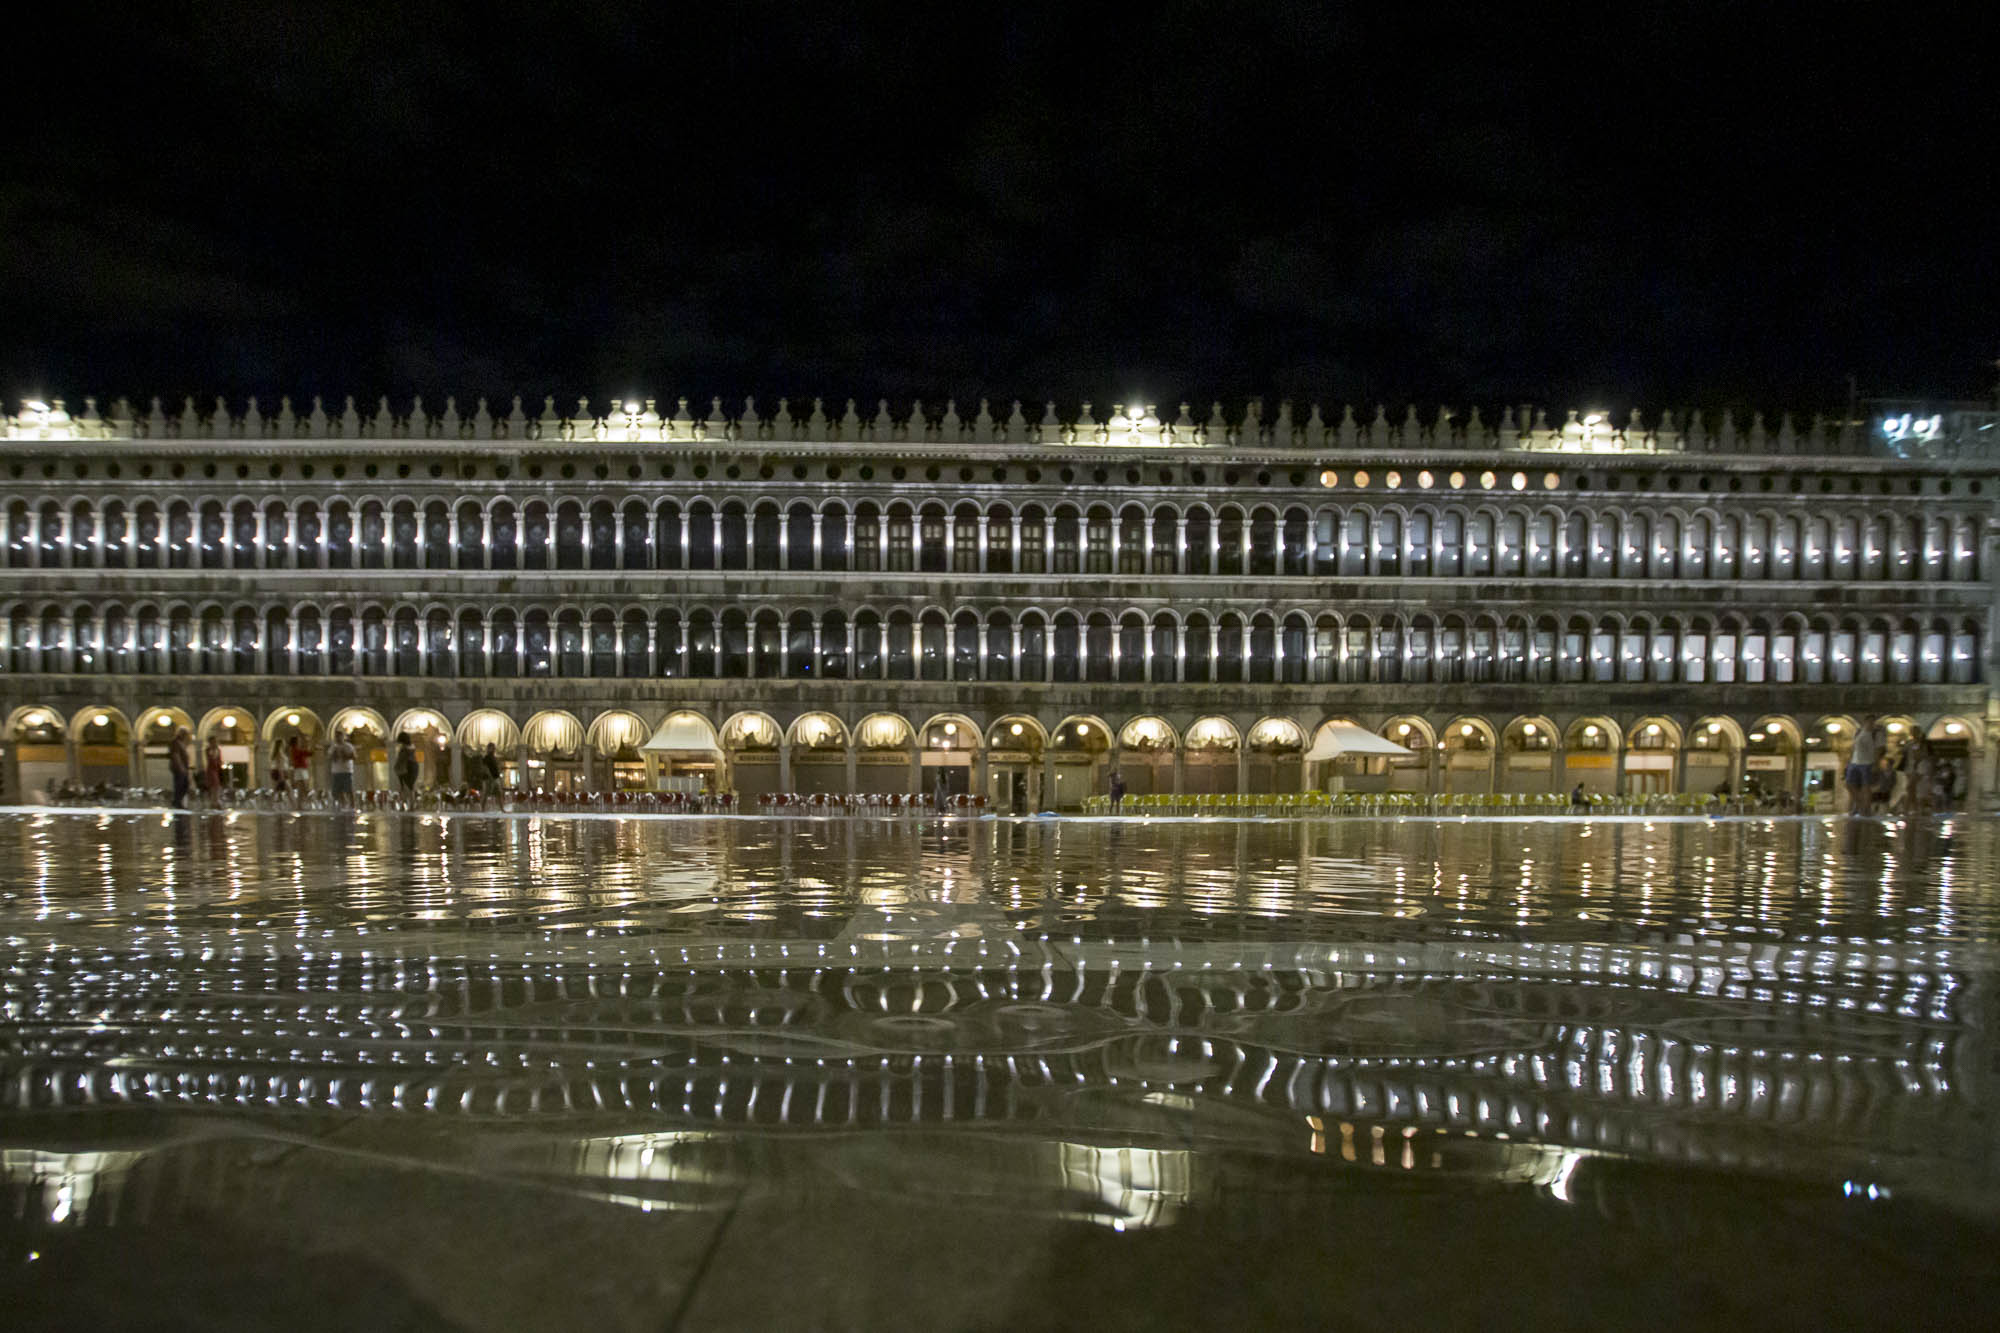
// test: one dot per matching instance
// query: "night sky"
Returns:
(1671, 207)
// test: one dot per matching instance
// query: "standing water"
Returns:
(517, 1073)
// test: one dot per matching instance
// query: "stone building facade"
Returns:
(822, 603)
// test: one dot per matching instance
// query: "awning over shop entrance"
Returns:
(1343, 738)
(683, 733)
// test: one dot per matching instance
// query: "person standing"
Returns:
(489, 772)
(406, 767)
(211, 766)
(300, 755)
(180, 764)
(1861, 767)
(943, 792)
(340, 769)
(1117, 789)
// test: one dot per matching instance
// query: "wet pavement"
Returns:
(398, 1071)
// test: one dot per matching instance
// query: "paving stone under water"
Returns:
(391, 1071)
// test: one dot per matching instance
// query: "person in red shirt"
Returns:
(301, 760)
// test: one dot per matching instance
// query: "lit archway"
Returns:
(1467, 747)
(1209, 756)
(1528, 756)
(1147, 746)
(1273, 752)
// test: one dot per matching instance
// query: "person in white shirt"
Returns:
(1861, 766)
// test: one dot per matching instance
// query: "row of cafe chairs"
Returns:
(862, 803)
(1408, 803)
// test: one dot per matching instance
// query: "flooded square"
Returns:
(511, 1072)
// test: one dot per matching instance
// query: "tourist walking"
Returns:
(1861, 762)
(211, 771)
(943, 792)
(281, 766)
(1117, 789)
(180, 765)
(340, 769)
(489, 772)
(406, 767)
(300, 755)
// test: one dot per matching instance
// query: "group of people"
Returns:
(180, 764)
(1916, 780)
(291, 769)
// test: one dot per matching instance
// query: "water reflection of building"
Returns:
(1763, 1059)
(829, 602)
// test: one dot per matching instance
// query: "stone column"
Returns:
(1215, 543)
(819, 539)
(257, 529)
(985, 539)
(784, 762)
(486, 538)
(1048, 793)
(1243, 767)
(451, 536)
(980, 781)
(292, 643)
(1014, 546)
(818, 655)
(1146, 545)
(652, 648)
(718, 539)
(1049, 543)
(882, 546)
(784, 537)
(853, 766)
(618, 539)
(1180, 545)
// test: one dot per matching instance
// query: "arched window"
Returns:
(764, 538)
(603, 643)
(703, 640)
(438, 657)
(535, 535)
(669, 651)
(437, 536)
(572, 660)
(670, 537)
(735, 536)
(999, 664)
(833, 645)
(1131, 647)
(1263, 542)
(733, 636)
(1068, 659)
(1200, 533)
(505, 638)
(934, 650)
(1263, 652)
(602, 535)
(869, 662)
(340, 642)
(902, 646)
(1197, 658)
(1097, 649)
(800, 660)
(1292, 539)
(869, 537)
(1034, 647)
(965, 646)
(833, 538)
(767, 646)
(1292, 639)
(636, 529)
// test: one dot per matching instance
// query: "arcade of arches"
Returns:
(1020, 761)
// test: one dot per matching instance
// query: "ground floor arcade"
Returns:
(1024, 759)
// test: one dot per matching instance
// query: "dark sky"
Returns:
(1614, 205)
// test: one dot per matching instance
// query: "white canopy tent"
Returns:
(683, 733)
(1336, 739)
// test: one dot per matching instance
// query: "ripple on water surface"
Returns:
(1127, 1024)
